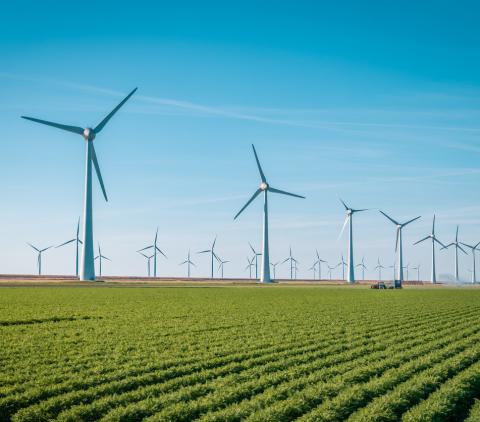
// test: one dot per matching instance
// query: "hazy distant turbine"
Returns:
(456, 243)
(379, 267)
(213, 256)
(149, 258)
(100, 258)
(473, 249)
(39, 256)
(77, 242)
(189, 263)
(362, 265)
(156, 249)
(88, 267)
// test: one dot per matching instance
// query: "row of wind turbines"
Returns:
(86, 268)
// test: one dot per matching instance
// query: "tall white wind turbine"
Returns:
(188, 262)
(39, 256)
(274, 266)
(77, 242)
(265, 188)
(293, 263)
(250, 265)
(319, 263)
(349, 219)
(87, 270)
(255, 256)
(379, 267)
(456, 243)
(212, 253)
(473, 249)
(433, 238)
(363, 267)
(399, 243)
(156, 249)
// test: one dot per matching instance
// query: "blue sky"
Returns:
(377, 103)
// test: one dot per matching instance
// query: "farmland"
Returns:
(230, 353)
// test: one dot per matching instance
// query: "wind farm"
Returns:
(292, 225)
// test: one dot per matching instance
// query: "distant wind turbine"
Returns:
(189, 263)
(349, 219)
(362, 265)
(211, 251)
(399, 243)
(417, 269)
(379, 267)
(319, 263)
(250, 265)
(87, 271)
(407, 267)
(149, 258)
(264, 188)
(274, 266)
(100, 258)
(156, 249)
(433, 238)
(473, 249)
(456, 243)
(255, 255)
(343, 264)
(292, 261)
(314, 269)
(39, 256)
(77, 242)
(330, 269)
(221, 263)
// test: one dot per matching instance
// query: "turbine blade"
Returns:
(262, 176)
(104, 257)
(78, 227)
(447, 246)
(411, 221)
(343, 228)
(422, 240)
(344, 204)
(101, 125)
(390, 218)
(257, 192)
(73, 129)
(97, 170)
(144, 249)
(468, 246)
(253, 250)
(183, 263)
(143, 254)
(438, 241)
(396, 241)
(33, 247)
(159, 250)
(66, 243)
(205, 251)
(79, 241)
(270, 189)
(459, 247)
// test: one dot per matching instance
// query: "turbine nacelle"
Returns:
(263, 186)
(88, 134)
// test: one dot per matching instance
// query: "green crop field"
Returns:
(239, 353)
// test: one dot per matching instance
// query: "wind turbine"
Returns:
(343, 264)
(221, 263)
(473, 249)
(406, 267)
(274, 266)
(417, 269)
(295, 269)
(156, 249)
(379, 267)
(87, 270)
(319, 263)
(211, 251)
(314, 269)
(250, 265)
(255, 255)
(100, 257)
(77, 242)
(148, 260)
(39, 256)
(264, 188)
(456, 243)
(292, 261)
(349, 219)
(362, 264)
(330, 269)
(434, 239)
(399, 243)
(189, 262)
(394, 267)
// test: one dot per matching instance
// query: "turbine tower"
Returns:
(211, 251)
(274, 266)
(189, 263)
(77, 242)
(330, 269)
(292, 262)
(149, 258)
(399, 244)
(314, 269)
(362, 265)
(343, 264)
(39, 256)
(417, 269)
(349, 219)
(255, 255)
(456, 243)
(156, 249)
(100, 257)
(87, 270)
(264, 188)
(434, 239)
(250, 265)
(221, 263)
(319, 263)
(379, 267)
(473, 249)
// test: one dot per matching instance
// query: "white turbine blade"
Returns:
(343, 228)
(438, 241)
(159, 250)
(411, 221)
(102, 124)
(361, 210)
(183, 263)
(344, 204)
(257, 192)
(390, 218)
(459, 247)
(396, 241)
(477, 245)
(104, 257)
(262, 176)
(213, 244)
(468, 246)
(147, 247)
(447, 246)
(205, 251)
(66, 243)
(143, 255)
(190, 262)
(29, 244)
(422, 240)
(282, 192)
(46, 249)
(97, 170)
(79, 241)
(73, 129)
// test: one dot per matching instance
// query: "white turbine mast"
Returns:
(77, 242)
(189, 263)
(39, 256)
(457, 244)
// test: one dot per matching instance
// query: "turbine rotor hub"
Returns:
(263, 186)
(89, 134)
